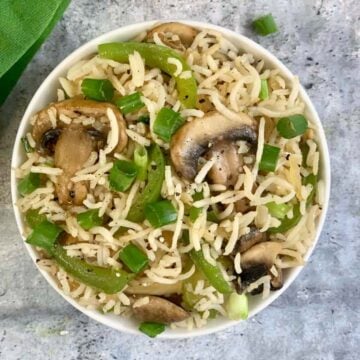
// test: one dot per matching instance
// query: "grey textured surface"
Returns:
(318, 317)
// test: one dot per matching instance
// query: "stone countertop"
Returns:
(318, 316)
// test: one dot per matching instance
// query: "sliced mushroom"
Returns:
(186, 35)
(263, 253)
(277, 281)
(227, 163)
(247, 241)
(160, 310)
(73, 108)
(193, 139)
(72, 149)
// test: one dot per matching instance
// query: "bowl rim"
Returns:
(135, 29)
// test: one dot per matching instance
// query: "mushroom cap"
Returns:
(73, 108)
(247, 241)
(160, 310)
(264, 253)
(186, 34)
(192, 140)
(72, 150)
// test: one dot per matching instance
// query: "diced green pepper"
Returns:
(89, 219)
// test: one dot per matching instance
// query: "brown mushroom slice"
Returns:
(263, 253)
(193, 139)
(247, 241)
(72, 150)
(160, 310)
(185, 33)
(134, 288)
(227, 164)
(73, 108)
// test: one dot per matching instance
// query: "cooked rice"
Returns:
(230, 81)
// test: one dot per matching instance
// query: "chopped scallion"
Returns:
(195, 212)
(264, 90)
(129, 103)
(160, 213)
(269, 158)
(89, 219)
(265, 25)
(29, 183)
(166, 123)
(278, 210)
(152, 329)
(292, 126)
(310, 179)
(44, 235)
(237, 306)
(134, 258)
(122, 175)
(141, 161)
(97, 89)
(33, 218)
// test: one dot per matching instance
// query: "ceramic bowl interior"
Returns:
(47, 93)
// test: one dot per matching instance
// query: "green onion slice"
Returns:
(278, 210)
(33, 218)
(129, 103)
(264, 90)
(95, 89)
(265, 25)
(122, 175)
(29, 183)
(26, 145)
(44, 235)
(152, 329)
(134, 258)
(269, 158)
(89, 219)
(237, 307)
(160, 213)
(292, 126)
(141, 161)
(166, 123)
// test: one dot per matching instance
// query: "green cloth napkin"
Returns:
(24, 25)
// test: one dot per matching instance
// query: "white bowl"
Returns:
(47, 93)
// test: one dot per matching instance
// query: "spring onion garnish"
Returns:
(264, 90)
(269, 158)
(160, 213)
(152, 329)
(141, 161)
(134, 258)
(26, 145)
(29, 183)
(237, 306)
(145, 119)
(89, 219)
(166, 123)
(122, 175)
(44, 235)
(265, 25)
(33, 218)
(291, 126)
(129, 103)
(195, 212)
(278, 210)
(95, 89)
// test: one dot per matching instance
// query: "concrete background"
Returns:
(318, 317)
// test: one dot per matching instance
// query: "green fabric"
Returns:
(24, 25)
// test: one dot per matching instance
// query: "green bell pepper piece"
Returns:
(155, 56)
(211, 272)
(286, 223)
(152, 190)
